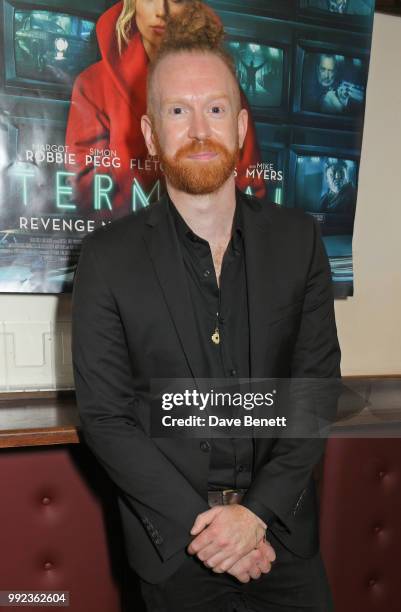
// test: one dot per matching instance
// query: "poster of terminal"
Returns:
(72, 155)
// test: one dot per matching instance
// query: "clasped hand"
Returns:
(232, 539)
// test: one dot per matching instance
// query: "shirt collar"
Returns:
(184, 232)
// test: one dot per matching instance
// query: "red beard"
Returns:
(198, 177)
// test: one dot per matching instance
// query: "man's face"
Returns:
(336, 178)
(326, 71)
(197, 127)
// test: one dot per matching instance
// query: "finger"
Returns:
(241, 576)
(265, 566)
(267, 550)
(204, 519)
(255, 572)
(244, 564)
(271, 553)
(210, 555)
(221, 564)
(240, 567)
(201, 541)
(221, 560)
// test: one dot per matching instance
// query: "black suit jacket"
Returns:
(132, 321)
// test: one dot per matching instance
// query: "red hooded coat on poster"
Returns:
(108, 101)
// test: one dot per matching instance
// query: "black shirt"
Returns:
(225, 309)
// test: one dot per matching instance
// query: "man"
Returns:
(251, 72)
(205, 283)
(340, 196)
(320, 90)
(339, 201)
(327, 92)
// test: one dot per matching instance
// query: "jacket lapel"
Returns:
(262, 270)
(164, 250)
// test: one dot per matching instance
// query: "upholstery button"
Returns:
(377, 528)
(382, 474)
(205, 446)
(48, 565)
(372, 582)
(46, 500)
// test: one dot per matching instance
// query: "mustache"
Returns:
(196, 147)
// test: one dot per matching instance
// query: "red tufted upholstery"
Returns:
(360, 513)
(59, 527)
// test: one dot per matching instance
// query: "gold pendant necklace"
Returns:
(216, 333)
(216, 336)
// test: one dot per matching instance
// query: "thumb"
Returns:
(204, 519)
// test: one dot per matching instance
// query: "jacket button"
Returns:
(205, 446)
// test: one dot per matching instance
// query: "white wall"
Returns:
(35, 330)
(369, 324)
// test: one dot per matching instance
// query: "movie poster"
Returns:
(72, 155)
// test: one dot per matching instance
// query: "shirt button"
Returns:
(206, 273)
(241, 468)
(205, 446)
(233, 372)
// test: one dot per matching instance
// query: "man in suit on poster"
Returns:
(205, 283)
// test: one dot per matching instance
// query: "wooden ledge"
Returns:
(38, 419)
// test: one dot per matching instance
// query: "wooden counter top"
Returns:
(38, 419)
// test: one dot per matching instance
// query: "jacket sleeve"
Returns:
(281, 483)
(152, 486)
(250, 157)
(87, 126)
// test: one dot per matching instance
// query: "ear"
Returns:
(147, 131)
(242, 126)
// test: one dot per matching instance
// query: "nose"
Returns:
(199, 128)
(161, 8)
